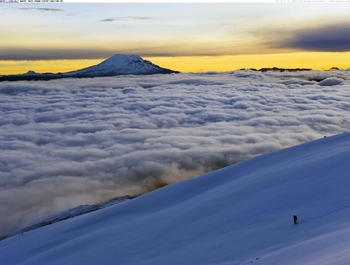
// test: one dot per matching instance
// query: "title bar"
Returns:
(171, 1)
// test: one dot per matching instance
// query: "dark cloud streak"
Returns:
(166, 50)
(19, 54)
(334, 38)
(42, 9)
(130, 18)
(108, 20)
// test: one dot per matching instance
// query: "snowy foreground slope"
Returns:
(241, 214)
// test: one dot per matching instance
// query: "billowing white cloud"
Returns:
(79, 141)
(331, 81)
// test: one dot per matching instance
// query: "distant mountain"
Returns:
(118, 64)
(121, 64)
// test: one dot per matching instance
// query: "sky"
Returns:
(188, 37)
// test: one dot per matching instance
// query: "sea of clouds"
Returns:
(69, 142)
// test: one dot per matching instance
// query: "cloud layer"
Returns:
(19, 54)
(79, 141)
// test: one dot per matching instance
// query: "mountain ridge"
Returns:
(116, 65)
(120, 64)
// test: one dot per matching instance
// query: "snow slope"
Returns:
(241, 214)
(74, 212)
(120, 64)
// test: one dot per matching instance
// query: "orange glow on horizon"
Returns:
(314, 60)
(52, 66)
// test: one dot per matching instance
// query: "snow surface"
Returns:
(241, 214)
(120, 64)
(74, 212)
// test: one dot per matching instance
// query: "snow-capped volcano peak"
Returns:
(120, 59)
(120, 64)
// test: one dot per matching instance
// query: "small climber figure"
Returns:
(295, 219)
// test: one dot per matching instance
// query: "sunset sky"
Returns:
(184, 37)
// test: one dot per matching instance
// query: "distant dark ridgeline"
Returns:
(49, 76)
(118, 64)
(33, 77)
(277, 69)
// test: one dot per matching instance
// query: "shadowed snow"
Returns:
(241, 214)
